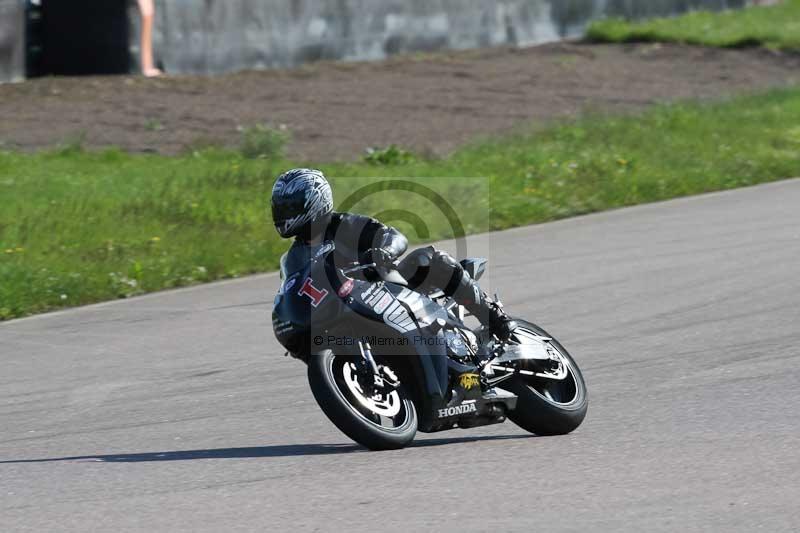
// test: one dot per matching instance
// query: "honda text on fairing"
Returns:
(386, 343)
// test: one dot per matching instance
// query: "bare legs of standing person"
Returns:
(148, 10)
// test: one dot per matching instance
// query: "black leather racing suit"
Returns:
(356, 237)
(425, 268)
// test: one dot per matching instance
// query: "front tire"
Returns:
(388, 423)
(546, 406)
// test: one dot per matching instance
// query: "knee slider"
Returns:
(444, 259)
(424, 257)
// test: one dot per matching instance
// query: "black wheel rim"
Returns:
(389, 410)
(560, 393)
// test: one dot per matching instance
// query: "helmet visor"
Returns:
(287, 208)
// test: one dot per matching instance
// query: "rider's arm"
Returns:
(370, 233)
(394, 242)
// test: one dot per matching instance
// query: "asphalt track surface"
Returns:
(177, 411)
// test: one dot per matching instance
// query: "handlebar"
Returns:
(358, 268)
(390, 275)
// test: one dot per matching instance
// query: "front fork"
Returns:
(378, 378)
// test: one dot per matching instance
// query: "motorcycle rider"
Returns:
(302, 207)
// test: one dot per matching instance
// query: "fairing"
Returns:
(310, 316)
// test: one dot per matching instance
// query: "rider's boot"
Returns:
(500, 324)
(487, 311)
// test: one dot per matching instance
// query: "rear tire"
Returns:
(331, 380)
(549, 407)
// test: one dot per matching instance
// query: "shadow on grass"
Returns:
(289, 450)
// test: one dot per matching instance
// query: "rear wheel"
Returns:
(380, 419)
(547, 406)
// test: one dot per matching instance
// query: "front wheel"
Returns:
(547, 406)
(379, 420)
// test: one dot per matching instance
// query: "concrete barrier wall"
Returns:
(12, 40)
(214, 36)
(210, 36)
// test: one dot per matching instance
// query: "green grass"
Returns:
(775, 27)
(79, 227)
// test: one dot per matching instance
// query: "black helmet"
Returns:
(300, 198)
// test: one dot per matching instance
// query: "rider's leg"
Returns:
(428, 268)
(415, 268)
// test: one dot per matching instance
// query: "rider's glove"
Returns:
(379, 257)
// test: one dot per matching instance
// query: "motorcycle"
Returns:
(385, 362)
